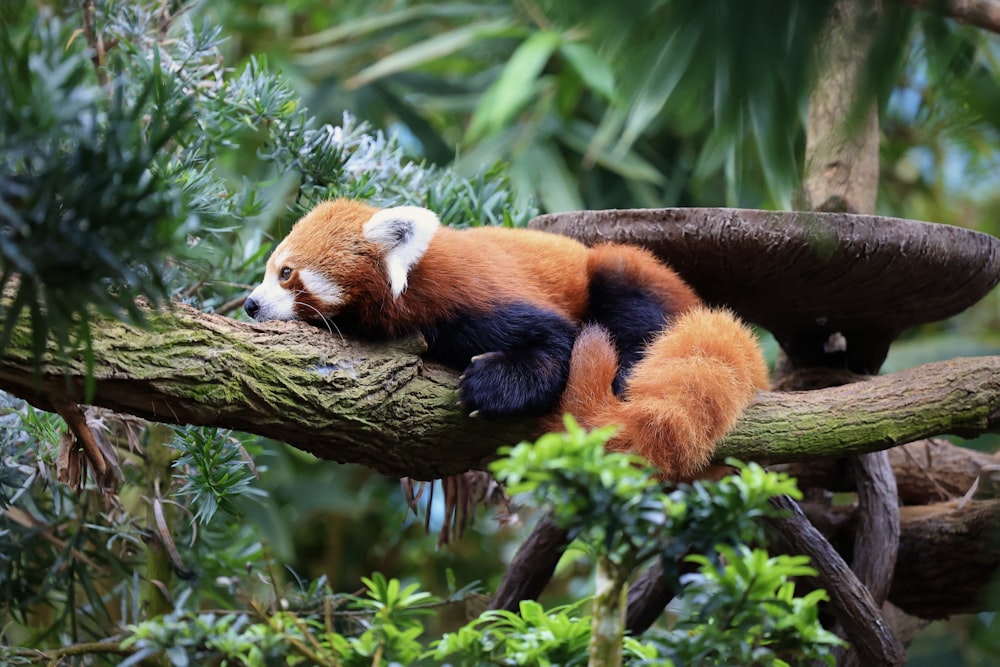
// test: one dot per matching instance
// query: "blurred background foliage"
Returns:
(487, 111)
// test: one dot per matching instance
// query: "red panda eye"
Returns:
(285, 274)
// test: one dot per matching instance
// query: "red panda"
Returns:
(538, 323)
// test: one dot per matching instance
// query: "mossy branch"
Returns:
(381, 406)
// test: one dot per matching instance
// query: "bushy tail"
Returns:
(692, 384)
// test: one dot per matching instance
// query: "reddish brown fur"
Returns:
(482, 266)
(691, 386)
(328, 240)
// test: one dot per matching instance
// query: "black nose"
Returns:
(252, 307)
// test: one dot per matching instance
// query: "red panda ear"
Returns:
(404, 232)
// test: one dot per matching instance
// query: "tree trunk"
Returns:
(841, 168)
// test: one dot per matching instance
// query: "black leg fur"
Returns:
(519, 358)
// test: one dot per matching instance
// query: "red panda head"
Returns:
(339, 254)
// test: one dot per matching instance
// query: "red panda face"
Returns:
(338, 255)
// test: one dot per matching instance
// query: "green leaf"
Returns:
(583, 137)
(591, 68)
(516, 85)
(554, 184)
(665, 73)
(431, 49)
(403, 18)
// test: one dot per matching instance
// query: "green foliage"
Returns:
(531, 637)
(682, 102)
(678, 57)
(216, 470)
(395, 623)
(749, 594)
(739, 608)
(735, 608)
(533, 104)
(741, 613)
(121, 164)
(613, 502)
(85, 207)
(185, 639)
(350, 631)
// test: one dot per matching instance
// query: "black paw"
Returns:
(494, 386)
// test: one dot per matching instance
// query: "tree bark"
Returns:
(379, 405)
(959, 396)
(340, 399)
(926, 471)
(841, 170)
(533, 565)
(948, 553)
(870, 636)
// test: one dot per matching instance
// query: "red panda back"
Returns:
(480, 267)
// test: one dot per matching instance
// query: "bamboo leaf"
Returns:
(514, 88)
(580, 136)
(591, 68)
(553, 182)
(431, 49)
(404, 18)
(666, 72)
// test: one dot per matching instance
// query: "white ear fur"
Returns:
(404, 232)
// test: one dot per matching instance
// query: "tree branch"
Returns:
(379, 405)
(959, 397)
(926, 471)
(342, 400)
(983, 14)
(948, 552)
(862, 620)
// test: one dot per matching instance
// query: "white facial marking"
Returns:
(321, 288)
(276, 303)
(405, 232)
(279, 257)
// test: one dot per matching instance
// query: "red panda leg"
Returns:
(517, 358)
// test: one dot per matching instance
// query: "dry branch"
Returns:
(926, 471)
(379, 405)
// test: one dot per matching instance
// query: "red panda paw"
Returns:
(505, 384)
